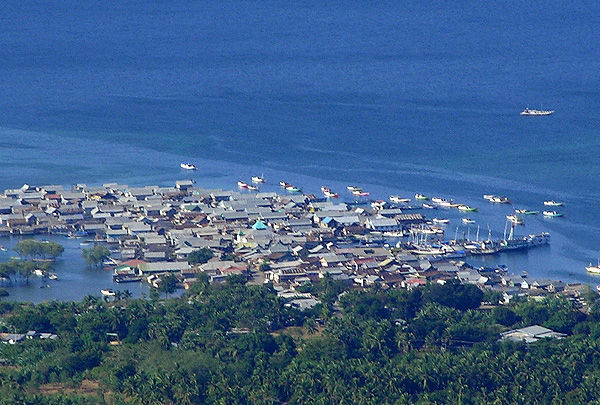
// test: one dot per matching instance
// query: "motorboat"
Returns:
(526, 212)
(252, 188)
(399, 200)
(361, 193)
(500, 200)
(468, 221)
(258, 179)
(187, 166)
(530, 112)
(107, 292)
(284, 184)
(422, 197)
(292, 189)
(552, 203)
(515, 219)
(440, 221)
(242, 184)
(352, 189)
(467, 208)
(552, 214)
(594, 269)
(331, 194)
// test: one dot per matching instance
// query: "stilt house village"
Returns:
(287, 239)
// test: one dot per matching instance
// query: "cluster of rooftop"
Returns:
(286, 239)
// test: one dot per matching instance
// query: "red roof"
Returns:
(132, 263)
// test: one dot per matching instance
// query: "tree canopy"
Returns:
(200, 256)
(95, 255)
(31, 249)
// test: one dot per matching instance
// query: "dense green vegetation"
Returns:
(31, 249)
(200, 256)
(95, 255)
(234, 343)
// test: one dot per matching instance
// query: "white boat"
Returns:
(353, 189)
(594, 269)
(552, 214)
(187, 166)
(429, 206)
(488, 196)
(419, 196)
(399, 200)
(552, 203)
(515, 219)
(440, 221)
(360, 193)
(251, 187)
(467, 208)
(438, 200)
(258, 179)
(468, 221)
(331, 194)
(107, 292)
(39, 272)
(526, 212)
(242, 184)
(529, 112)
(500, 200)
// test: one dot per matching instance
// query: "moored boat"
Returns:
(107, 292)
(552, 214)
(258, 179)
(361, 193)
(353, 188)
(594, 269)
(441, 221)
(526, 212)
(515, 219)
(331, 194)
(468, 221)
(292, 189)
(500, 200)
(399, 200)
(467, 208)
(552, 203)
(242, 184)
(420, 196)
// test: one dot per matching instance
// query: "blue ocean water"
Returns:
(396, 97)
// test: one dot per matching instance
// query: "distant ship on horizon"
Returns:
(527, 111)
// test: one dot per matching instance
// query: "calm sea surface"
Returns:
(395, 97)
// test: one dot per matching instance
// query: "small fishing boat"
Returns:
(353, 188)
(242, 184)
(468, 221)
(429, 206)
(258, 179)
(399, 200)
(422, 197)
(467, 208)
(440, 221)
(526, 212)
(594, 269)
(552, 214)
(499, 200)
(515, 219)
(536, 113)
(361, 193)
(331, 194)
(284, 184)
(52, 276)
(552, 203)
(252, 188)
(292, 189)
(107, 292)
(187, 166)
